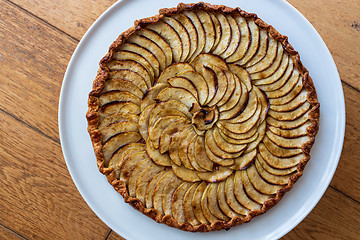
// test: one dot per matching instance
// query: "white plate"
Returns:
(131, 224)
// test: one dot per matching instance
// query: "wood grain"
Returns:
(38, 198)
(6, 234)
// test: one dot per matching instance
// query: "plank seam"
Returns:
(356, 201)
(350, 86)
(12, 231)
(108, 234)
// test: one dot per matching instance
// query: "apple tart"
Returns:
(202, 117)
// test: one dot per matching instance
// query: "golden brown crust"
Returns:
(103, 73)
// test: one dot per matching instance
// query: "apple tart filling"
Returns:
(202, 117)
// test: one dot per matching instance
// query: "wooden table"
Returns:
(38, 199)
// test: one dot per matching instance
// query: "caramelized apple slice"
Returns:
(139, 167)
(181, 82)
(267, 60)
(282, 86)
(274, 179)
(118, 117)
(116, 128)
(156, 130)
(150, 188)
(292, 133)
(261, 51)
(168, 194)
(116, 95)
(184, 143)
(238, 108)
(230, 197)
(249, 110)
(217, 28)
(285, 125)
(209, 30)
(205, 206)
(167, 133)
(234, 97)
(295, 102)
(225, 145)
(222, 201)
(173, 70)
(241, 195)
(191, 155)
(200, 32)
(213, 204)
(243, 162)
(179, 94)
(177, 205)
(144, 121)
(156, 156)
(251, 191)
(274, 171)
(259, 183)
(122, 85)
(297, 142)
(222, 85)
(185, 174)
(201, 156)
(131, 76)
(225, 34)
(280, 151)
(129, 164)
(150, 95)
(189, 26)
(218, 175)
(244, 43)
(188, 207)
(235, 37)
(254, 43)
(229, 89)
(158, 193)
(216, 150)
(216, 159)
(196, 203)
(200, 84)
(174, 144)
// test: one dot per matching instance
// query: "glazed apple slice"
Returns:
(134, 174)
(206, 59)
(167, 133)
(201, 156)
(222, 201)
(185, 174)
(173, 104)
(200, 32)
(126, 55)
(150, 46)
(159, 41)
(217, 175)
(217, 28)
(191, 155)
(131, 76)
(205, 206)
(116, 128)
(118, 107)
(239, 141)
(249, 110)
(254, 43)
(128, 165)
(268, 177)
(291, 133)
(168, 194)
(261, 51)
(174, 144)
(144, 179)
(122, 85)
(280, 163)
(294, 103)
(177, 206)
(216, 150)
(187, 204)
(253, 145)
(274, 171)
(181, 82)
(144, 121)
(149, 57)
(297, 142)
(209, 30)
(251, 191)
(235, 37)
(159, 113)
(295, 92)
(225, 34)
(235, 136)
(173, 70)
(286, 67)
(158, 195)
(225, 145)
(229, 89)
(222, 85)
(189, 26)
(183, 34)
(159, 126)
(170, 36)
(242, 74)
(200, 84)
(288, 125)
(156, 156)
(243, 162)
(244, 40)
(216, 159)
(179, 94)
(196, 203)
(234, 97)
(116, 95)
(213, 204)
(241, 195)
(238, 108)
(118, 117)
(184, 142)
(260, 184)
(230, 197)
(150, 188)
(266, 60)
(280, 151)
(290, 115)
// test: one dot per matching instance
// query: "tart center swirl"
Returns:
(204, 119)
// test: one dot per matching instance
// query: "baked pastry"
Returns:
(202, 117)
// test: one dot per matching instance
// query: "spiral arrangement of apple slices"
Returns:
(203, 117)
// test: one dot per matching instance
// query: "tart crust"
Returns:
(96, 136)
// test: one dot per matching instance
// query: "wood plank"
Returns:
(114, 236)
(7, 234)
(33, 61)
(37, 196)
(335, 217)
(72, 17)
(336, 22)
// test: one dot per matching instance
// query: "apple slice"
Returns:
(218, 175)
(292, 114)
(201, 156)
(239, 141)
(177, 205)
(188, 208)
(122, 85)
(242, 74)
(225, 145)
(200, 84)
(261, 51)
(118, 117)
(176, 105)
(144, 121)
(294, 103)
(286, 67)
(200, 33)
(189, 26)
(159, 112)
(222, 201)
(270, 67)
(179, 94)
(205, 206)
(209, 30)
(216, 159)
(268, 177)
(196, 203)
(134, 174)
(229, 89)
(230, 197)
(241, 195)
(243, 162)
(234, 98)
(126, 55)
(207, 60)
(244, 43)
(170, 36)
(288, 125)
(225, 34)
(168, 194)
(296, 132)
(173, 71)
(297, 142)
(156, 156)
(191, 155)
(116, 128)
(184, 142)
(217, 28)
(214, 147)
(137, 78)
(253, 145)
(254, 43)
(159, 126)
(235, 37)
(181, 82)
(144, 179)
(274, 171)
(298, 89)
(185, 174)
(259, 183)
(213, 204)
(266, 60)
(249, 110)
(251, 191)
(150, 188)
(159, 41)
(183, 34)
(222, 85)
(174, 144)
(158, 195)
(150, 58)
(239, 107)
(280, 151)
(128, 165)
(116, 95)
(280, 163)
(151, 47)
(165, 136)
